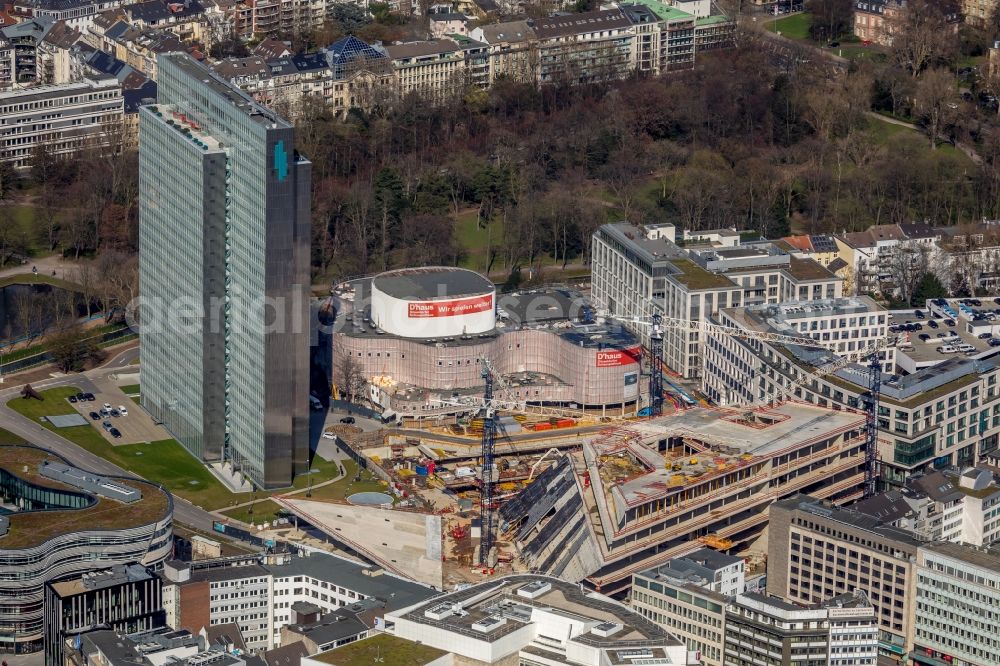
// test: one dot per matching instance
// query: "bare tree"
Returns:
(350, 377)
(922, 35)
(935, 91)
(908, 262)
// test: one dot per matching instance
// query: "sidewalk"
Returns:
(45, 266)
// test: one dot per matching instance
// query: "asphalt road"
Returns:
(184, 511)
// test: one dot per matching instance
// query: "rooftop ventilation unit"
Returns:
(488, 624)
(534, 589)
(605, 629)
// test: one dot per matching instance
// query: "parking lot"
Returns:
(135, 428)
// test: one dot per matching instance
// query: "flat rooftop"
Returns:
(32, 528)
(227, 91)
(634, 472)
(118, 575)
(988, 558)
(382, 649)
(505, 598)
(431, 283)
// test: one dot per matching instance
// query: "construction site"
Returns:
(587, 501)
(508, 484)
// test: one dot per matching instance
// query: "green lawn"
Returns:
(29, 278)
(348, 486)
(130, 389)
(263, 511)
(795, 26)
(884, 131)
(383, 649)
(164, 461)
(474, 240)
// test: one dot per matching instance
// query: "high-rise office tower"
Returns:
(224, 274)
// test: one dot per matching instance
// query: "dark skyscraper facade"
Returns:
(224, 274)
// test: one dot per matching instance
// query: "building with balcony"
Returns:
(62, 522)
(230, 384)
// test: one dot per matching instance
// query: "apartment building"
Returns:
(581, 48)
(261, 595)
(816, 550)
(78, 14)
(968, 258)
(347, 74)
(438, 69)
(64, 118)
(840, 631)
(876, 254)
(19, 52)
(688, 595)
(952, 504)
(638, 272)
(511, 52)
(664, 37)
(945, 413)
(957, 594)
(874, 19)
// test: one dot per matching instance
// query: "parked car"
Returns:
(81, 396)
(984, 336)
(116, 433)
(95, 416)
(329, 435)
(107, 425)
(115, 413)
(107, 405)
(932, 324)
(347, 419)
(121, 408)
(89, 396)
(925, 337)
(965, 348)
(919, 314)
(947, 349)
(72, 399)
(949, 322)
(994, 342)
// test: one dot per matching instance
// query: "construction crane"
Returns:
(870, 355)
(490, 425)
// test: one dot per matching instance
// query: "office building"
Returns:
(732, 365)
(109, 647)
(263, 595)
(688, 595)
(68, 522)
(816, 550)
(957, 594)
(63, 119)
(539, 621)
(126, 598)
(945, 413)
(638, 272)
(224, 268)
(661, 485)
(840, 631)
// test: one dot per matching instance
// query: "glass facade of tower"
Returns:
(224, 274)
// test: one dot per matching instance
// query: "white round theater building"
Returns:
(417, 335)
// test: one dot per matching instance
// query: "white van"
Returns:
(965, 348)
(947, 349)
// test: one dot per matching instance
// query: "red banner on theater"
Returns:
(460, 306)
(616, 357)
